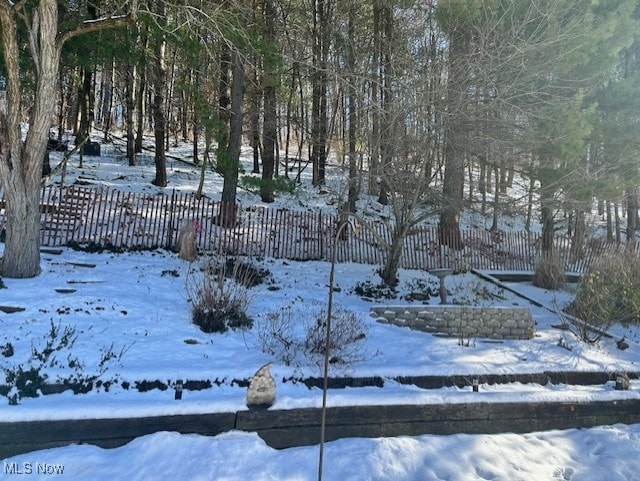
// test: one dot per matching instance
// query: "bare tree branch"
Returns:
(103, 23)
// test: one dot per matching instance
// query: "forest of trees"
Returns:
(413, 97)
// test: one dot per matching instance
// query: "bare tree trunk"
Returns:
(577, 243)
(224, 99)
(319, 95)
(86, 107)
(186, 101)
(471, 181)
(255, 122)
(131, 104)
(374, 147)
(202, 119)
(269, 127)
(496, 206)
(289, 108)
(107, 104)
(232, 160)
(352, 115)
(510, 177)
(503, 177)
(449, 226)
(268, 144)
(65, 101)
(617, 218)
(482, 188)
(609, 221)
(632, 218)
(387, 122)
(170, 124)
(21, 168)
(389, 272)
(569, 223)
(159, 113)
(141, 93)
(73, 106)
(527, 223)
(547, 218)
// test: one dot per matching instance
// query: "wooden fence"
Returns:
(141, 220)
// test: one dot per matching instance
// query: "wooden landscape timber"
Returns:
(297, 427)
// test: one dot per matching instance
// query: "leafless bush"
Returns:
(549, 272)
(297, 336)
(277, 337)
(219, 300)
(347, 330)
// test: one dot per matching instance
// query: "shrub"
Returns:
(7, 350)
(277, 336)
(219, 303)
(295, 343)
(347, 331)
(368, 290)
(29, 379)
(256, 184)
(549, 272)
(245, 273)
(608, 293)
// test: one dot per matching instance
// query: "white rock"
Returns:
(262, 388)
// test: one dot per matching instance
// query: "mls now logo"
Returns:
(31, 468)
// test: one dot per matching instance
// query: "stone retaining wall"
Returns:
(461, 321)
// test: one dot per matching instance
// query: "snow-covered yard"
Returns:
(129, 317)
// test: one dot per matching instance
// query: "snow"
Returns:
(587, 455)
(131, 315)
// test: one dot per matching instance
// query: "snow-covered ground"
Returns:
(130, 317)
(598, 454)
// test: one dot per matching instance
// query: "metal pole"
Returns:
(325, 380)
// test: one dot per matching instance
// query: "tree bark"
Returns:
(609, 222)
(159, 113)
(129, 118)
(319, 94)
(617, 222)
(21, 168)
(632, 218)
(577, 243)
(547, 218)
(496, 206)
(86, 108)
(374, 144)
(387, 120)
(269, 127)
(527, 222)
(454, 152)
(21, 165)
(232, 161)
(389, 272)
(141, 92)
(255, 103)
(352, 115)
(107, 99)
